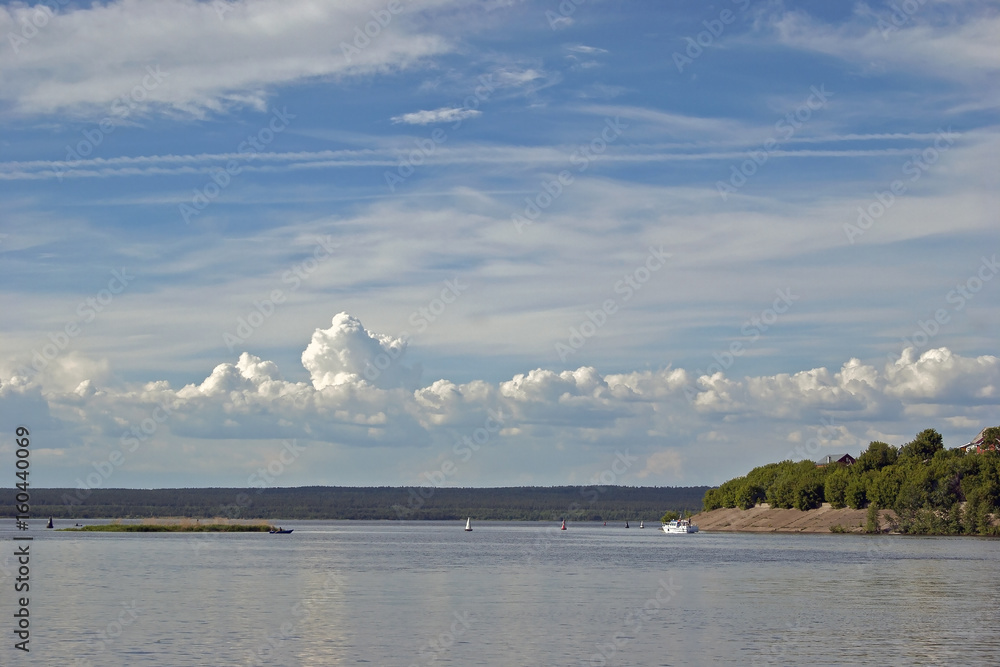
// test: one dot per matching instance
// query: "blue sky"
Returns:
(696, 237)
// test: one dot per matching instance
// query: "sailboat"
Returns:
(564, 525)
(468, 525)
(640, 524)
(626, 523)
(49, 525)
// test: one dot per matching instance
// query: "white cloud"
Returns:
(85, 58)
(347, 353)
(442, 115)
(681, 426)
(962, 47)
(661, 463)
(589, 50)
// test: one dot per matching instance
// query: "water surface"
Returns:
(428, 593)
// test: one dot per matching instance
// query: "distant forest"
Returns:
(526, 503)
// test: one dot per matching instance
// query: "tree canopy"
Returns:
(932, 490)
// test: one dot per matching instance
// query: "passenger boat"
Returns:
(679, 526)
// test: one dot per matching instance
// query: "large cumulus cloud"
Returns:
(363, 397)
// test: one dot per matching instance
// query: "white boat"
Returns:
(468, 525)
(679, 526)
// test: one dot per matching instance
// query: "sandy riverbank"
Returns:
(763, 519)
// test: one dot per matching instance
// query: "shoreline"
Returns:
(765, 519)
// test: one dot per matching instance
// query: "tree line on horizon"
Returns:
(932, 490)
(574, 503)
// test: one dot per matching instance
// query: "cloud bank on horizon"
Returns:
(363, 395)
(693, 238)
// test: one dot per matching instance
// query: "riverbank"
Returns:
(178, 526)
(764, 519)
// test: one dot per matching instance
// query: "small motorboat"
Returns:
(468, 525)
(679, 526)
(280, 531)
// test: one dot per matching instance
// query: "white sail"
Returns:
(468, 524)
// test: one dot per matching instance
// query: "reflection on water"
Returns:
(391, 593)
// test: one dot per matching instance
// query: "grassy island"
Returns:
(929, 490)
(178, 526)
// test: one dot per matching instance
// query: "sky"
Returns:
(404, 242)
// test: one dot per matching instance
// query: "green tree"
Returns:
(927, 443)
(749, 495)
(872, 524)
(854, 494)
(991, 438)
(713, 500)
(782, 492)
(835, 487)
(882, 487)
(809, 488)
(877, 456)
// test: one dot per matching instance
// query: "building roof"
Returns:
(846, 459)
(977, 442)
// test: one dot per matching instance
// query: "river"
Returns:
(507, 593)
